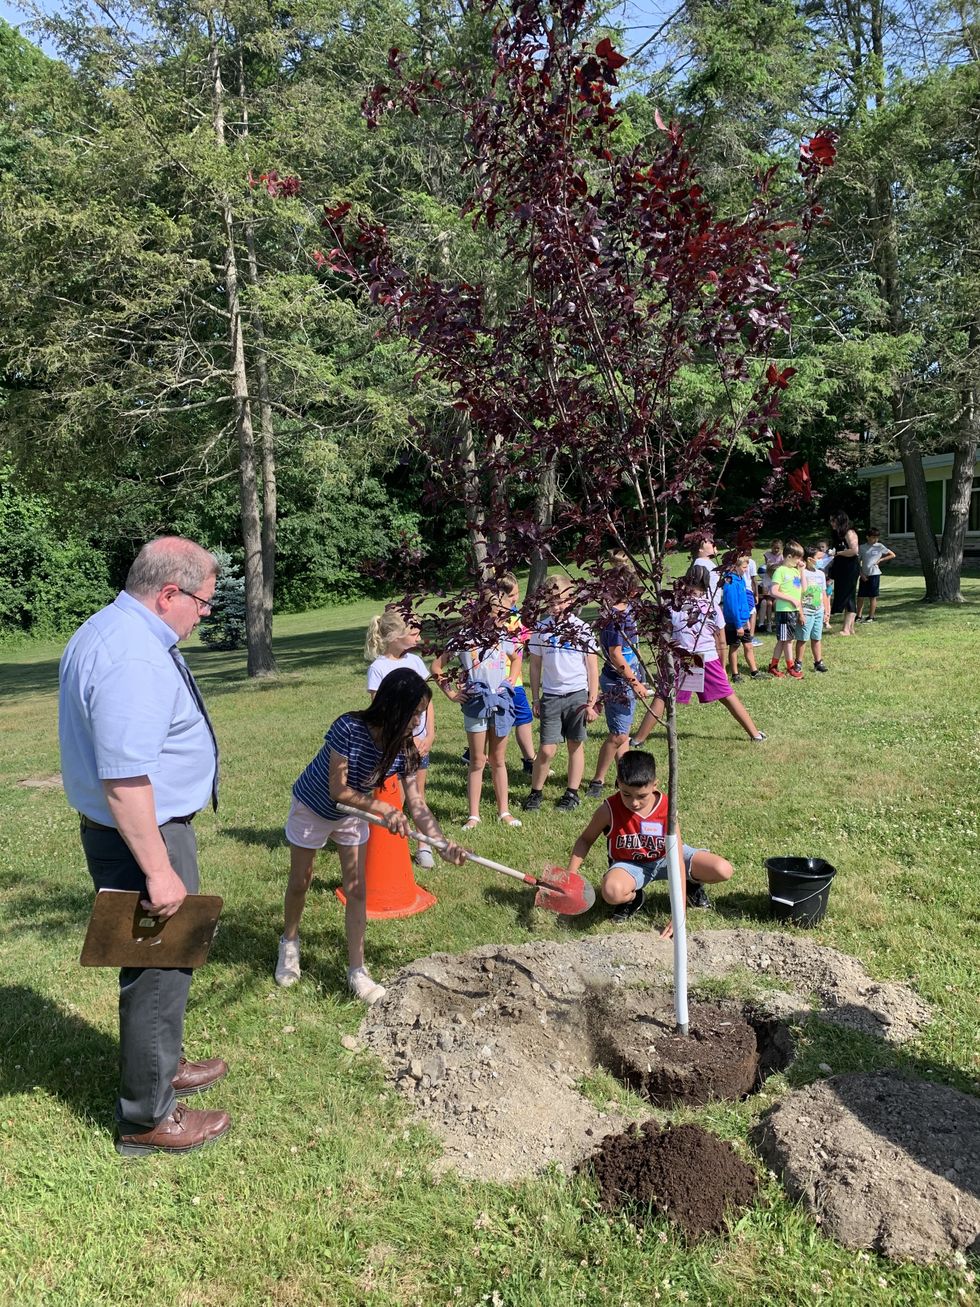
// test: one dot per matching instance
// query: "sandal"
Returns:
(470, 823)
(513, 822)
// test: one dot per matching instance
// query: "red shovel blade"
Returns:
(565, 892)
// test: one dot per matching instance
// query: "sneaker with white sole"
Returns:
(287, 967)
(596, 790)
(424, 858)
(362, 985)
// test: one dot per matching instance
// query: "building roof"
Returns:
(887, 469)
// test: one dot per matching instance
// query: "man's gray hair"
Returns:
(170, 560)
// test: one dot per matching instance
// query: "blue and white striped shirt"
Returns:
(349, 737)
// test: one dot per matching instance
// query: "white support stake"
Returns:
(678, 916)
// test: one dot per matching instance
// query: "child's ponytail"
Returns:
(373, 644)
(384, 628)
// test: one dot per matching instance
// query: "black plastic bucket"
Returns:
(799, 889)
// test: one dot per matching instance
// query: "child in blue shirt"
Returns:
(736, 605)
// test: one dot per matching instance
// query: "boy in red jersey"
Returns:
(634, 822)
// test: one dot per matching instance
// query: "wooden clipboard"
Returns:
(122, 934)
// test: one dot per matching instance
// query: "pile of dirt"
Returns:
(883, 1161)
(719, 1059)
(491, 1046)
(683, 1172)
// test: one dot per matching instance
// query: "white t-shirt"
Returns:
(814, 589)
(750, 572)
(694, 628)
(564, 667)
(380, 668)
(869, 555)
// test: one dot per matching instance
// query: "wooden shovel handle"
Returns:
(440, 844)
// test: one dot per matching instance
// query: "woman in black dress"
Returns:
(845, 570)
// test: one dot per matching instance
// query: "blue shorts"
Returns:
(645, 873)
(619, 704)
(480, 725)
(522, 709)
(811, 628)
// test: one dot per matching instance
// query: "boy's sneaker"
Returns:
(735, 679)
(569, 801)
(757, 739)
(465, 755)
(362, 985)
(596, 790)
(795, 672)
(528, 765)
(697, 895)
(424, 859)
(757, 673)
(756, 643)
(533, 801)
(627, 910)
(821, 667)
(774, 671)
(798, 666)
(287, 967)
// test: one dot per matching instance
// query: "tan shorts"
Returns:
(308, 830)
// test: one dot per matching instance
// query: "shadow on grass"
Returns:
(46, 1047)
(29, 678)
(755, 907)
(250, 942)
(37, 909)
(270, 837)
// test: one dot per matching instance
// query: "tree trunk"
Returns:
(544, 509)
(260, 658)
(949, 563)
(266, 421)
(472, 497)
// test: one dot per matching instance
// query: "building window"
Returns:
(973, 522)
(898, 512)
(900, 518)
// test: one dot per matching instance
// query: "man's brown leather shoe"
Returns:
(181, 1132)
(195, 1077)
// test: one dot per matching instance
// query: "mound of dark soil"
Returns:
(640, 1045)
(683, 1172)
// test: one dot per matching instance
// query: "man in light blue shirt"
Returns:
(139, 759)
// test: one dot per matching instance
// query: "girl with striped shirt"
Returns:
(360, 751)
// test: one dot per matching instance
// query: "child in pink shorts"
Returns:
(697, 633)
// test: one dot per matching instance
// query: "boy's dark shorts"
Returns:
(732, 637)
(786, 625)
(868, 587)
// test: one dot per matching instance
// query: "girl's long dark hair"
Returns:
(391, 717)
(841, 523)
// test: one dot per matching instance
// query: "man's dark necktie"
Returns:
(195, 694)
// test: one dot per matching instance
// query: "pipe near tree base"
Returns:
(678, 917)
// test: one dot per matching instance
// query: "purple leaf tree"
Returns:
(628, 294)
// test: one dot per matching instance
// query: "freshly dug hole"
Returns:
(684, 1172)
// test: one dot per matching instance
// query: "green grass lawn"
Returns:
(322, 1194)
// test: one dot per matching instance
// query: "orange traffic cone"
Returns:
(391, 887)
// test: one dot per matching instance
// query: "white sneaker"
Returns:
(287, 968)
(364, 988)
(424, 858)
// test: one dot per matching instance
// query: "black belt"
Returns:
(88, 824)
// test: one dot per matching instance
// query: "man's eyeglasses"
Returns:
(203, 605)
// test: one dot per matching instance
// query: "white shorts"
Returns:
(308, 830)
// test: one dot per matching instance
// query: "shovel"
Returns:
(565, 892)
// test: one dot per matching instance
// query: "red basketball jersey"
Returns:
(632, 838)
